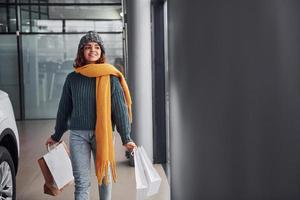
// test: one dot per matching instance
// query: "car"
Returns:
(9, 148)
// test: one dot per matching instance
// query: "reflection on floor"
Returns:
(33, 135)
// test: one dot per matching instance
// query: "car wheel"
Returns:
(7, 176)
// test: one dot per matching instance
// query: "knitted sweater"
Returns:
(77, 107)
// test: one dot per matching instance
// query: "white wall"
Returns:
(139, 71)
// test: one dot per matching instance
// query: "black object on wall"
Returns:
(158, 82)
(234, 99)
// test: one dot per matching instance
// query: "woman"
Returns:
(95, 98)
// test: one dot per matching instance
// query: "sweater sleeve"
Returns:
(120, 110)
(64, 111)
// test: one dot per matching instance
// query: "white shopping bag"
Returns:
(153, 178)
(140, 178)
(59, 164)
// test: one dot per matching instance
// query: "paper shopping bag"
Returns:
(152, 176)
(49, 186)
(140, 178)
(57, 169)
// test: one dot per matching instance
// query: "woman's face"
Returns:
(92, 52)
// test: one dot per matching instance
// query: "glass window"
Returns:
(47, 26)
(38, 22)
(34, 16)
(35, 9)
(25, 19)
(44, 10)
(84, 1)
(33, 21)
(12, 19)
(109, 26)
(100, 26)
(85, 12)
(3, 19)
(78, 18)
(79, 26)
(7, 19)
(66, 1)
(5, 1)
(113, 46)
(47, 59)
(9, 80)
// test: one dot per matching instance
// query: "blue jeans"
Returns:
(82, 143)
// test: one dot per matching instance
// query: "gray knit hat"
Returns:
(91, 36)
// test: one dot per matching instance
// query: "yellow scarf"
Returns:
(105, 153)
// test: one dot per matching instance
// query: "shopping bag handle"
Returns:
(49, 146)
(133, 151)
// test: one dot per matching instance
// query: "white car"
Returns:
(9, 149)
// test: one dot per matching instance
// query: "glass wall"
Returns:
(47, 59)
(102, 26)
(48, 33)
(62, 18)
(9, 79)
(7, 18)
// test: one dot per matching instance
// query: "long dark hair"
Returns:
(80, 60)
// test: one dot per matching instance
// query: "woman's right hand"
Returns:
(50, 141)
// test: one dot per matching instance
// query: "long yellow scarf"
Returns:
(105, 153)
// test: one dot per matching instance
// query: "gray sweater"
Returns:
(77, 107)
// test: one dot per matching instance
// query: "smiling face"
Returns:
(91, 52)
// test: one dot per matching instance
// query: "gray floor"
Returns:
(33, 135)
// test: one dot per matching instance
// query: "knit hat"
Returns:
(91, 36)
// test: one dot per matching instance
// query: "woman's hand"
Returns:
(130, 146)
(50, 141)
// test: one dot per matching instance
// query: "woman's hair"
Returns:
(80, 60)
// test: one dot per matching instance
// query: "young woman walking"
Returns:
(95, 98)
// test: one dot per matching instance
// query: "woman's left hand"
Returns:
(130, 146)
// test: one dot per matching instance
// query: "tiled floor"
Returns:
(33, 135)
